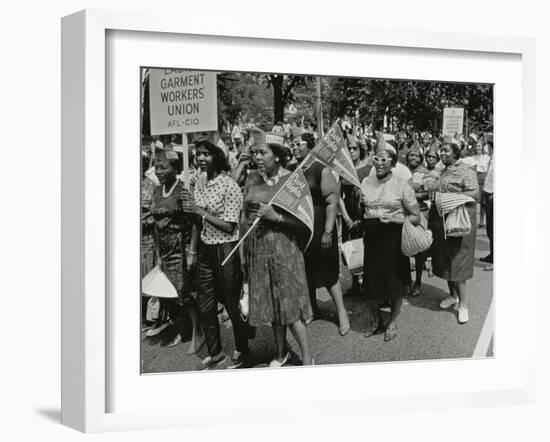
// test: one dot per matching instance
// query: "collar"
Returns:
(215, 180)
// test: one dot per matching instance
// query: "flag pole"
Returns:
(185, 149)
(257, 220)
(319, 109)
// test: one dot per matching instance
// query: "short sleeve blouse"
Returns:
(391, 196)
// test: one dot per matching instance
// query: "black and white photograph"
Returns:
(299, 220)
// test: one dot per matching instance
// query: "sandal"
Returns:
(390, 333)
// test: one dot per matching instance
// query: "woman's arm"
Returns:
(470, 186)
(411, 205)
(345, 216)
(190, 206)
(329, 189)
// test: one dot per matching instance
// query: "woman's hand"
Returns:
(354, 225)
(267, 212)
(188, 203)
(326, 240)
(385, 218)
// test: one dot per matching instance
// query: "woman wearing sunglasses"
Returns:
(388, 200)
(350, 199)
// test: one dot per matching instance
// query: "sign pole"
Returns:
(185, 150)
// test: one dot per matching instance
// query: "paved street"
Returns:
(424, 331)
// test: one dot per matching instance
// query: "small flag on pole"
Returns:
(295, 197)
(333, 153)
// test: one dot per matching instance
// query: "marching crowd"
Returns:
(189, 231)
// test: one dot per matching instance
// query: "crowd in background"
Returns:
(189, 232)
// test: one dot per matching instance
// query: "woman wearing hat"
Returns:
(322, 257)
(415, 163)
(173, 232)
(387, 201)
(453, 257)
(272, 259)
(351, 197)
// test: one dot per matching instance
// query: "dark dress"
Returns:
(351, 195)
(322, 265)
(278, 291)
(386, 269)
(453, 257)
(172, 233)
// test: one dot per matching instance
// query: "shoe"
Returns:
(449, 301)
(212, 361)
(488, 268)
(276, 364)
(415, 291)
(463, 314)
(487, 259)
(195, 348)
(155, 331)
(176, 341)
(238, 358)
(344, 329)
(390, 333)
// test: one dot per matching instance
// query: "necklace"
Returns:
(166, 195)
(273, 180)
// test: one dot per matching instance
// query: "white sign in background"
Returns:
(182, 101)
(453, 121)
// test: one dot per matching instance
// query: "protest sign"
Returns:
(453, 121)
(182, 101)
(333, 153)
(295, 197)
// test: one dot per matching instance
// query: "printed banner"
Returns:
(453, 121)
(295, 197)
(182, 101)
(333, 153)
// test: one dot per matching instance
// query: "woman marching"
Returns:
(387, 201)
(216, 206)
(321, 257)
(173, 231)
(415, 163)
(453, 257)
(272, 259)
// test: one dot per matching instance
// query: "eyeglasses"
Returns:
(301, 143)
(352, 148)
(381, 160)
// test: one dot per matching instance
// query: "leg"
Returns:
(489, 211)
(207, 301)
(299, 331)
(197, 339)
(391, 327)
(228, 289)
(452, 299)
(463, 316)
(311, 286)
(279, 333)
(343, 320)
(419, 261)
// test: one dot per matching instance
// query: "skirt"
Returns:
(452, 258)
(322, 265)
(386, 270)
(278, 291)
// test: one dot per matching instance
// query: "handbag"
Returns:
(415, 239)
(458, 222)
(153, 309)
(353, 254)
(244, 306)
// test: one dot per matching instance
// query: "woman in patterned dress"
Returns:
(387, 201)
(173, 231)
(272, 259)
(453, 257)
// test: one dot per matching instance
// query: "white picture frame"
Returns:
(86, 203)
